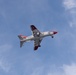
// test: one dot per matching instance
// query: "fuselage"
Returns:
(41, 36)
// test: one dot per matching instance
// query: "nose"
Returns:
(55, 32)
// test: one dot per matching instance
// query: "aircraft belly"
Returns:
(30, 38)
(42, 36)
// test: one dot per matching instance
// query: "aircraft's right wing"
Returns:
(35, 31)
(37, 43)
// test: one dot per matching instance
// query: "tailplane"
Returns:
(21, 43)
(21, 37)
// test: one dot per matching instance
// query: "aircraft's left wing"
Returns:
(35, 31)
(37, 44)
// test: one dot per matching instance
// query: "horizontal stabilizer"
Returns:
(21, 43)
(21, 37)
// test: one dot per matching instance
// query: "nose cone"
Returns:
(55, 32)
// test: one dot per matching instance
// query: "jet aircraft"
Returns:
(36, 36)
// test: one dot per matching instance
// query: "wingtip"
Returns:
(33, 27)
(35, 48)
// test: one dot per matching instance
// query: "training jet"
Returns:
(36, 36)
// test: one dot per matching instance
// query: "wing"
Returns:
(35, 31)
(37, 43)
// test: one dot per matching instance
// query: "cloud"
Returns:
(4, 51)
(4, 65)
(38, 71)
(5, 47)
(70, 6)
(70, 69)
(64, 70)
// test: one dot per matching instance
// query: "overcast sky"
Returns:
(56, 56)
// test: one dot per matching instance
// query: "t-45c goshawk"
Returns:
(37, 37)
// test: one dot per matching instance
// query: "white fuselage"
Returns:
(42, 35)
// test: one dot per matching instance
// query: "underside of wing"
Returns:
(36, 34)
(37, 44)
(35, 31)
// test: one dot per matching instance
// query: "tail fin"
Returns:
(21, 37)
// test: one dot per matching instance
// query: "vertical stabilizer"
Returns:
(21, 37)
